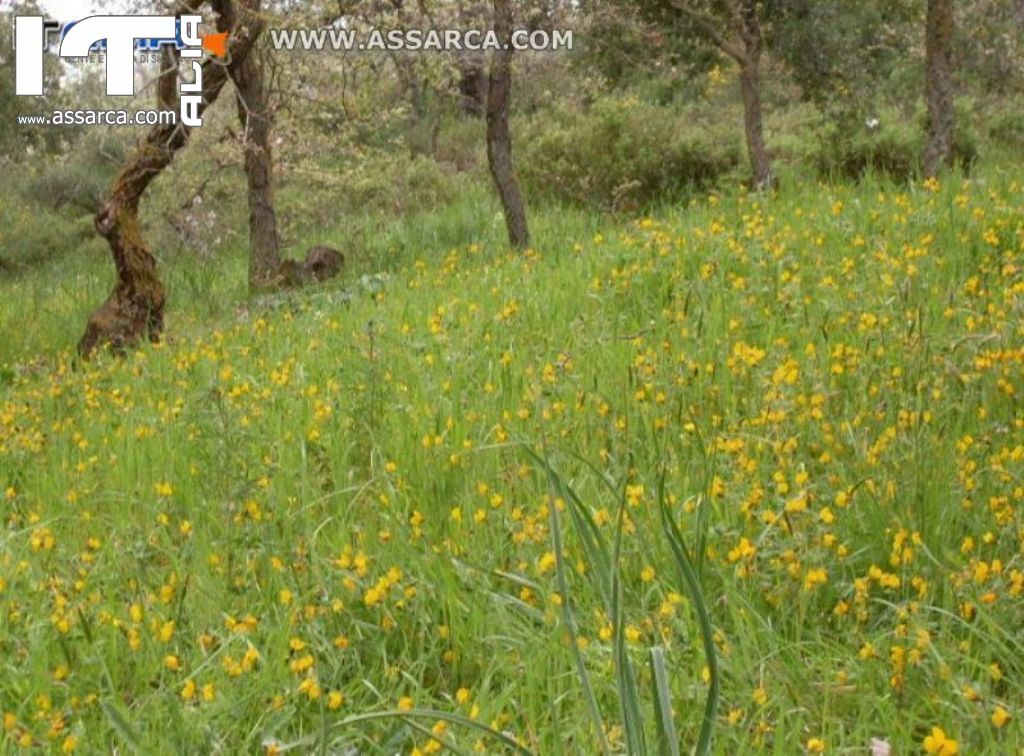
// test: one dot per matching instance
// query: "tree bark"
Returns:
(499, 137)
(136, 305)
(254, 112)
(753, 126)
(747, 26)
(938, 151)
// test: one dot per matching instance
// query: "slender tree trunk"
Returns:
(248, 75)
(136, 305)
(938, 151)
(264, 253)
(747, 26)
(753, 125)
(499, 137)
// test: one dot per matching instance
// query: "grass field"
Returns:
(422, 509)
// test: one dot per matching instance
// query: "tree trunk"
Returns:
(743, 43)
(499, 137)
(257, 120)
(747, 26)
(753, 126)
(938, 151)
(136, 305)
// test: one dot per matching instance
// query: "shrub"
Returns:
(80, 178)
(851, 150)
(623, 154)
(396, 184)
(31, 235)
(892, 146)
(1005, 127)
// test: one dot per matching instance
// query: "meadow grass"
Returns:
(462, 499)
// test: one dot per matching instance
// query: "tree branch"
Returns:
(706, 24)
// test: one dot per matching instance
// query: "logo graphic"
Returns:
(119, 37)
(216, 44)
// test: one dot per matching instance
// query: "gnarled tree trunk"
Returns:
(136, 305)
(499, 136)
(938, 151)
(254, 112)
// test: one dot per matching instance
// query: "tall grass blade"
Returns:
(554, 485)
(691, 586)
(668, 740)
(629, 694)
(609, 587)
(121, 726)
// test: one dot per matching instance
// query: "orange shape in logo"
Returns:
(216, 44)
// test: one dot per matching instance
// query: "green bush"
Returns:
(396, 184)
(623, 154)
(893, 147)
(80, 178)
(1004, 126)
(31, 235)
(966, 140)
(851, 150)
